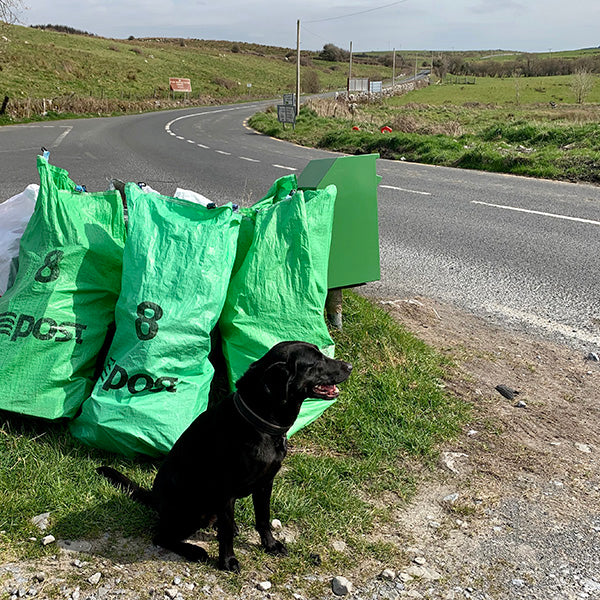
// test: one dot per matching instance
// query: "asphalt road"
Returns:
(519, 251)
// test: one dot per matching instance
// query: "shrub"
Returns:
(310, 82)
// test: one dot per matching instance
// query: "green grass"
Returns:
(46, 64)
(392, 415)
(468, 126)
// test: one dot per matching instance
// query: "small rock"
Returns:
(472, 432)
(506, 391)
(388, 574)
(95, 578)
(593, 356)
(276, 524)
(521, 404)
(76, 595)
(77, 563)
(449, 460)
(341, 586)
(339, 546)
(418, 572)
(172, 593)
(518, 582)
(264, 586)
(49, 539)
(583, 448)
(451, 498)
(41, 521)
(316, 560)
(405, 577)
(420, 560)
(177, 581)
(40, 576)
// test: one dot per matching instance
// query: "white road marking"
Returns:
(284, 167)
(537, 212)
(393, 187)
(203, 146)
(223, 152)
(61, 137)
(249, 159)
(180, 137)
(190, 141)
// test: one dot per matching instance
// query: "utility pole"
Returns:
(350, 71)
(416, 59)
(298, 68)
(394, 70)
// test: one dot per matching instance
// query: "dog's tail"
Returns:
(136, 492)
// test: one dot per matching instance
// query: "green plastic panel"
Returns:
(354, 256)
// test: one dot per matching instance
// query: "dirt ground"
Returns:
(526, 523)
(513, 511)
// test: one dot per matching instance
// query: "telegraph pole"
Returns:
(394, 70)
(350, 71)
(298, 68)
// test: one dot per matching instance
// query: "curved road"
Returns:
(519, 251)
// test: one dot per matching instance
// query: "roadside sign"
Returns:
(289, 99)
(358, 84)
(286, 113)
(179, 84)
(375, 87)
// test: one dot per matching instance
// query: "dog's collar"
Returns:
(255, 420)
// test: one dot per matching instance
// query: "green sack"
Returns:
(176, 267)
(279, 283)
(54, 319)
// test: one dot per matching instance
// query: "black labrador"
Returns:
(235, 449)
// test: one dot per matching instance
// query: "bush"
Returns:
(310, 82)
(235, 48)
(334, 53)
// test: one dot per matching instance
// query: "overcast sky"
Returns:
(528, 25)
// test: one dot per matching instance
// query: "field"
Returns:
(526, 126)
(57, 66)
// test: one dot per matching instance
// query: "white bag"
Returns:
(14, 216)
(192, 196)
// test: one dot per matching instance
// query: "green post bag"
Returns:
(54, 319)
(278, 286)
(176, 266)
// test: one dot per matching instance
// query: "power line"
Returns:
(362, 12)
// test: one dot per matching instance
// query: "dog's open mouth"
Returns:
(327, 392)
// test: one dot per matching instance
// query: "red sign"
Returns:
(177, 84)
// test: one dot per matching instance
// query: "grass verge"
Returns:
(343, 476)
(535, 140)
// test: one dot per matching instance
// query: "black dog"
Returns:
(235, 449)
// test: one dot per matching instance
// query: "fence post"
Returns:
(4, 105)
(333, 307)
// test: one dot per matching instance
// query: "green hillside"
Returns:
(45, 64)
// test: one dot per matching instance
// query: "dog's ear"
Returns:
(275, 378)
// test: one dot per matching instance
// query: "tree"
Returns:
(334, 53)
(9, 11)
(582, 84)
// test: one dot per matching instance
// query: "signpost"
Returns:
(375, 87)
(286, 112)
(358, 84)
(179, 84)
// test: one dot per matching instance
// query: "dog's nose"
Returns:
(348, 367)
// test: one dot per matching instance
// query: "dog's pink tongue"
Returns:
(327, 390)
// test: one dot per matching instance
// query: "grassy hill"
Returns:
(45, 64)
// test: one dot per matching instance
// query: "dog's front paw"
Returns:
(229, 563)
(276, 548)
